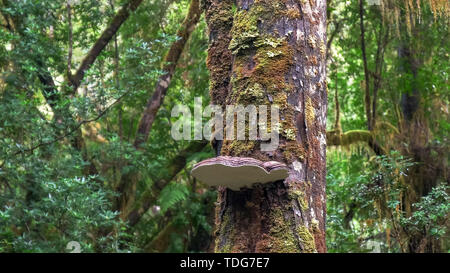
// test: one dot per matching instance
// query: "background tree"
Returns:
(398, 109)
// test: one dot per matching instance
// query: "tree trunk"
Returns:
(415, 131)
(127, 185)
(278, 57)
(366, 69)
(121, 16)
(170, 64)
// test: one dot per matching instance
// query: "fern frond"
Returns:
(171, 195)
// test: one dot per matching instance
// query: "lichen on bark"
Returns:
(219, 17)
(277, 59)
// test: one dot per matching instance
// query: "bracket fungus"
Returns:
(238, 172)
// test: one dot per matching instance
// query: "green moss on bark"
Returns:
(293, 151)
(310, 113)
(227, 234)
(238, 147)
(300, 197)
(306, 239)
(282, 239)
(258, 78)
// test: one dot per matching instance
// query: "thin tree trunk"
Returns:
(379, 61)
(366, 69)
(121, 16)
(279, 55)
(127, 185)
(70, 40)
(337, 109)
(171, 60)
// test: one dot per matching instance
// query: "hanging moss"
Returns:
(355, 136)
(348, 138)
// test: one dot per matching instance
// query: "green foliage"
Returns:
(171, 195)
(364, 199)
(380, 199)
(54, 189)
(195, 216)
(47, 195)
(431, 213)
(71, 209)
(384, 180)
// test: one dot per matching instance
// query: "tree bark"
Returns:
(219, 17)
(279, 55)
(367, 100)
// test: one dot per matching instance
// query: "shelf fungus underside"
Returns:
(236, 173)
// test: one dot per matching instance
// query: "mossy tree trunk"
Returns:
(416, 133)
(278, 53)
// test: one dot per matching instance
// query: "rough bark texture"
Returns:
(279, 53)
(219, 17)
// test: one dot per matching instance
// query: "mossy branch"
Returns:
(335, 138)
(348, 138)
